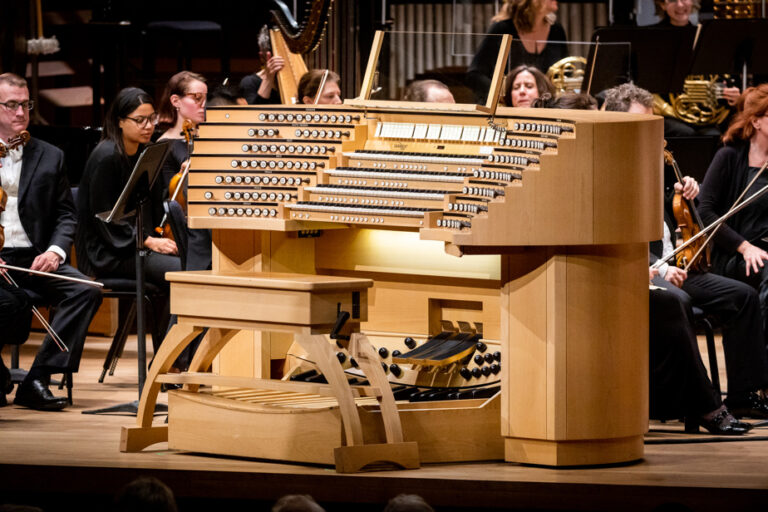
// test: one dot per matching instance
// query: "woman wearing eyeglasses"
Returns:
(108, 250)
(183, 102)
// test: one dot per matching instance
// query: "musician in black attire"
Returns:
(183, 104)
(39, 223)
(532, 24)
(260, 88)
(741, 242)
(676, 13)
(679, 385)
(734, 303)
(108, 250)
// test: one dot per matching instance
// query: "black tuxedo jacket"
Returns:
(46, 208)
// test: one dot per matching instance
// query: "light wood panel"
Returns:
(578, 347)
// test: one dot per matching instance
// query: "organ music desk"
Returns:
(530, 227)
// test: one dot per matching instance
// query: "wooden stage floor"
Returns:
(63, 460)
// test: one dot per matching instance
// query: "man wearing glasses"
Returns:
(39, 223)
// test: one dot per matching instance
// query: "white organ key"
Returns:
(395, 175)
(405, 157)
(351, 209)
(451, 132)
(489, 134)
(433, 132)
(420, 131)
(379, 127)
(406, 130)
(471, 134)
(375, 193)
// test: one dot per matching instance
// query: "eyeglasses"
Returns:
(197, 97)
(13, 106)
(144, 120)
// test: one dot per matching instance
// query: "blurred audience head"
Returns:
(145, 494)
(408, 503)
(297, 503)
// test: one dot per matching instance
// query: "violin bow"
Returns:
(749, 185)
(54, 336)
(736, 208)
(321, 87)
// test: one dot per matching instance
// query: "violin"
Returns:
(14, 142)
(690, 225)
(175, 185)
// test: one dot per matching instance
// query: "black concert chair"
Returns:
(124, 290)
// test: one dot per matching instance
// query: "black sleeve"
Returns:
(66, 215)
(108, 174)
(250, 87)
(713, 197)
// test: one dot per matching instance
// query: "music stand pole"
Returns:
(141, 335)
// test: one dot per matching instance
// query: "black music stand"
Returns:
(657, 58)
(723, 46)
(134, 198)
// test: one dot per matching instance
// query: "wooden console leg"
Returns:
(210, 347)
(143, 434)
(320, 351)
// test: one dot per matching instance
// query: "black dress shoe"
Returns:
(750, 405)
(36, 395)
(6, 383)
(722, 424)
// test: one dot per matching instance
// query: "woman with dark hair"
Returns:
(741, 243)
(183, 102)
(524, 84)
(532, 24)
(108, 250)
(310, 83)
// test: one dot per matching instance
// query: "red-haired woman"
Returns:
(741, 243)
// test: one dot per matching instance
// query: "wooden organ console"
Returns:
(526, 230)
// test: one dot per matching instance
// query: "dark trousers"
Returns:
(155, 267)
(737, 306)
(15, 316)
(679, 385)
(735, 268)
(75, 305)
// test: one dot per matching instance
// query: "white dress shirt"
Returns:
(10, 177)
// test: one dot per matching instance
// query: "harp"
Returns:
(291, 40)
